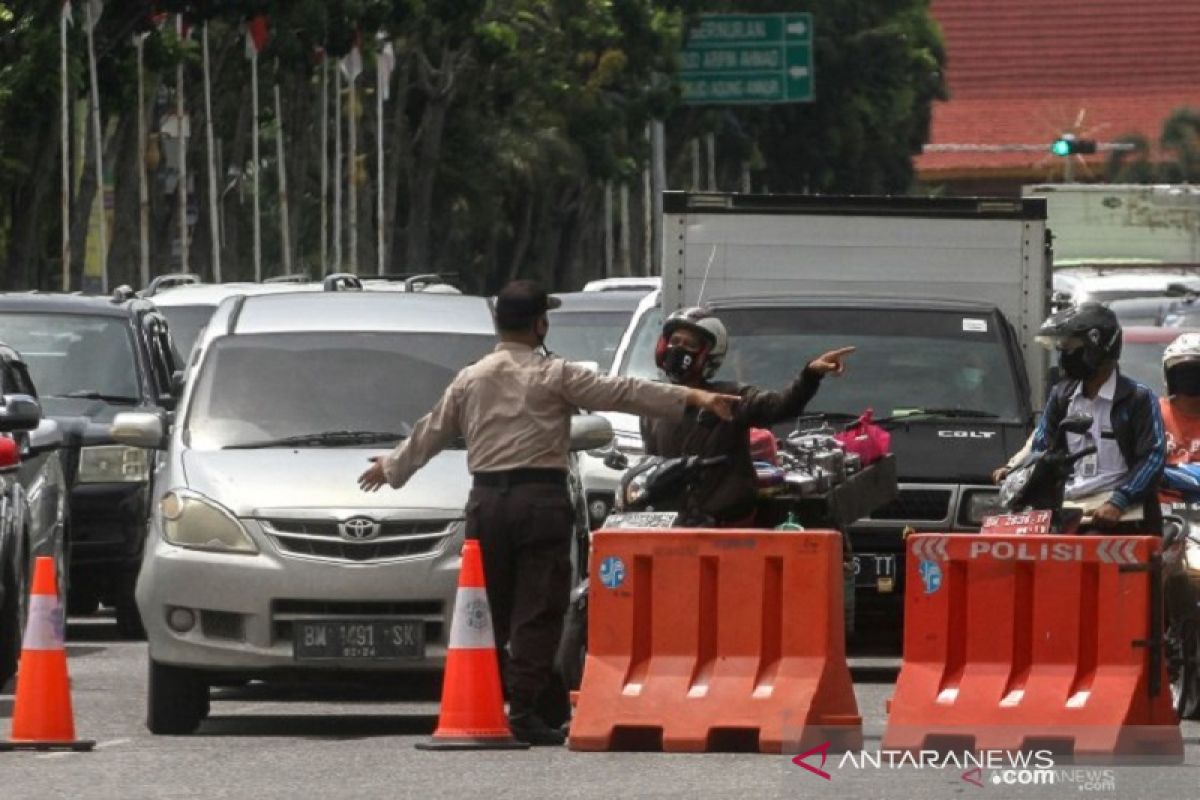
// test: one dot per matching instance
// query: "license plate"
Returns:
(1031, 522)
(869, 568)
(641, 519)
(358, 640)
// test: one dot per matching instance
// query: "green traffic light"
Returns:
(1061, 147)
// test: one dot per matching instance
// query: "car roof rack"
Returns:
(341, 281)
(170, 281)
(291, 277)
(123, 294)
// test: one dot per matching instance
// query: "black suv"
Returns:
(91, 358)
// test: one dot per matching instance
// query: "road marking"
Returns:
(100, 746)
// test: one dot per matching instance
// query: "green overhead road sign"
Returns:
(748, 59)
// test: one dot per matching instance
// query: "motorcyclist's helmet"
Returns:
(1086, 336)
(704, 363)
(1181, 365)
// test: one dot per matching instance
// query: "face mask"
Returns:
(1184, 380)
(678, 363)
(1075, 364)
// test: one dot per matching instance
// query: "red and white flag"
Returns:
(385, 66)
(258, 32)
(352, 63)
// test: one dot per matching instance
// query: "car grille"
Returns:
(927, 505)
(322, 540)
(285, 612)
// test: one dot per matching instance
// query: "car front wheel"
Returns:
(176, 699)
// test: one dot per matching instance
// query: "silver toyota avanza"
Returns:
(263, 557)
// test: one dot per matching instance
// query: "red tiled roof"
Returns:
(1023, 72)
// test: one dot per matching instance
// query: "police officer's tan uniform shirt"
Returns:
(514, 409)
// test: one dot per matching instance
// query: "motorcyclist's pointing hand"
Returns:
(831, 363)
(722, 405)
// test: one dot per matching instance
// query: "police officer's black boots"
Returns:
(528, 727)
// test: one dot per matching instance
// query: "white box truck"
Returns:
(943, 298)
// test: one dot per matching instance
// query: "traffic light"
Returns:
(1068, 145)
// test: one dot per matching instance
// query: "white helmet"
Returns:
(710, 329)
(1185, 348)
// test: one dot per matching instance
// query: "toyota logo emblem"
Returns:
(359, 529)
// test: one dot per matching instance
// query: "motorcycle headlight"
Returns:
(193, 521)
(635, 490)
(977, 505)
(113, 463)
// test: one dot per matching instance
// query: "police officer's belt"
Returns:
(513, 477)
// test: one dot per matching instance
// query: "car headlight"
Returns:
(978, 505)
(193, 521)
(114, 463)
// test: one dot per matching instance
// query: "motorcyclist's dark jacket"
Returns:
(728, 492)
(1138, 428)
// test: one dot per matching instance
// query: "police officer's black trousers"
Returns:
(524, 533)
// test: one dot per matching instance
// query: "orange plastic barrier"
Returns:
(42, 715)
(702, 641)
(1033, 642)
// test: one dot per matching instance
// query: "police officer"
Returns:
(514, 409)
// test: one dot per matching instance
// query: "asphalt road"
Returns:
(301, 742)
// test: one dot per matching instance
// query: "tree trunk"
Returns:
(28, 233)
(400, 157)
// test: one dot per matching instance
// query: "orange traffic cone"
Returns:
(472, 713)
(42, 716)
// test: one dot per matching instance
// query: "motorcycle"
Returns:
(1034, 492)
(650, 495)
(1038, 484)
(1181, 594)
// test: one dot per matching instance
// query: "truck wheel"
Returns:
(176, 700)
(10, 621)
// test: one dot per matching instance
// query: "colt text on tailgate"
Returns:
(1027, 551)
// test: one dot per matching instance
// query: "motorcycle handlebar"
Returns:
(1084, 453)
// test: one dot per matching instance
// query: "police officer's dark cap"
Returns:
(521, 302)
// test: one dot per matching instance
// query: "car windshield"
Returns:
(186, 323)
(587, 335)
(75, 354)
(256, 390)
(1142, 361)
(906, 360)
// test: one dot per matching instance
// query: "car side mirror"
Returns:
(45, 438)
(20, 412)
(139, 429)
(589, 432)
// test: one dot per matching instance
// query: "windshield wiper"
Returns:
(325, 439)
(91, 394)
(949, 413)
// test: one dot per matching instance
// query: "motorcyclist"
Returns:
(1181, 418)
(1117, 485)
(690, 350)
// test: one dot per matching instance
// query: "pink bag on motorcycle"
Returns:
(866, 439)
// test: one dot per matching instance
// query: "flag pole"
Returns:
(180, 115)
(381, 91)
(257, 161)
(97, 132)
(352, 175)
(66, 151)
(213, 227)
(143, 180)
(324, 160)
(285, 233)
(337, 170)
